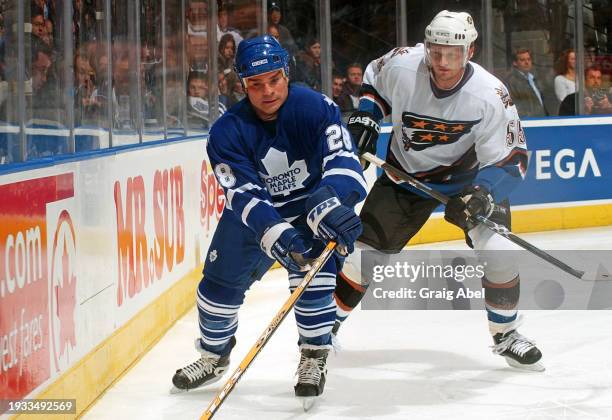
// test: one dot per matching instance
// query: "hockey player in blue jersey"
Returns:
(286, 164)
(455, 128)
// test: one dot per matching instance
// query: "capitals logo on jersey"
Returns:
(420, 132)
(281, 178)
(504, 96)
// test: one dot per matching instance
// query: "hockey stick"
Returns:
(495, 227)
(315, 267)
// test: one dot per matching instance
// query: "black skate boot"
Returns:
(209, 368)
(336, 328)
(311, 373)
(519, 351)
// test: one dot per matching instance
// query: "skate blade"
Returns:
(534, 367)
(175, 390)
(307, 402)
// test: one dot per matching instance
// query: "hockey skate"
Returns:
(209, 368)
(519, 351)
(311, 373)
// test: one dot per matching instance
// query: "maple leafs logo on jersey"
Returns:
(420, 132)
(281, 178)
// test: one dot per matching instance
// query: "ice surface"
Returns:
(394, 364)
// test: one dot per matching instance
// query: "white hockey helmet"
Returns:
(451, 28)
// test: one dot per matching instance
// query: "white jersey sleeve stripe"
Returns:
(246, 187)
(347, 172)
(342, 153)
(247, 209)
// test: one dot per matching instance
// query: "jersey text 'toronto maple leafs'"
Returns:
(282, 178)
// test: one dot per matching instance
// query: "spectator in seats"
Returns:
(274, 32)
(127, 112)
(175, 89)
(275, 16)
(349, 98)
(150, 89)
(227, 52)
(46, 107)
(85, 106)
(337, 85)
(523, 87)
(197, 53)
(223, 87)
(565, 81)
(49, 31)
(98, 100)
(235, 88)
(44, 83)
(101, 70)
(308, 66)
(124, 114)
(197, 16)
(93, 49)
(223, 27)
(89, 26)
(77, 7)
(596, 99)
(197, 100)
(39, 28)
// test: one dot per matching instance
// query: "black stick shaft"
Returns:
(499, 229)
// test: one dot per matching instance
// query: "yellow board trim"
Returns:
(523, 221)
(102, 367)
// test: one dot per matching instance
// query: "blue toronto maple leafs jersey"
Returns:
(268, 169)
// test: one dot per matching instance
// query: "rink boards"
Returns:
(99, 257)
(100, 254)
(568, 183)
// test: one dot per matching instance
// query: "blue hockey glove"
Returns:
(287, 245)
(472, 201)
(330, 220)
(364, 130)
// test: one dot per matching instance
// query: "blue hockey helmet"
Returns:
(260, 55)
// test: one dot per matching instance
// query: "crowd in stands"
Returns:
(529, 96)
(184, 80)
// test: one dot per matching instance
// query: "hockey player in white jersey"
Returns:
(456, 129)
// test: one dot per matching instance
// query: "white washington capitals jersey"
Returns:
(268, 169)
(448, 139)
